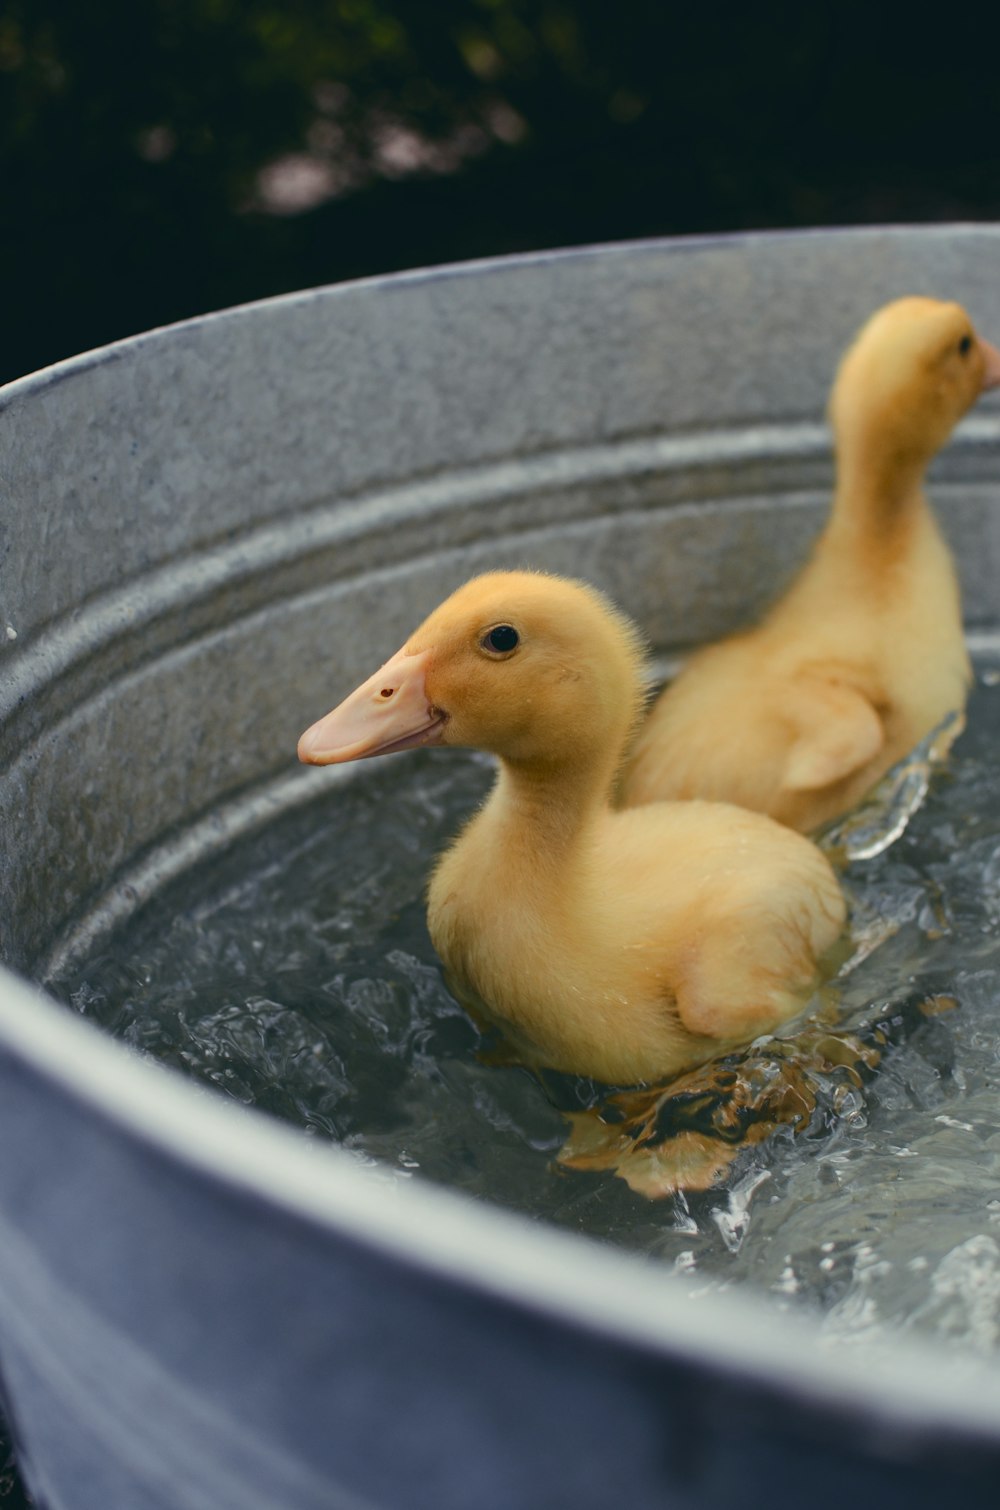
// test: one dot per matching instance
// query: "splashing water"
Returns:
(850, 1165)
(880, 819)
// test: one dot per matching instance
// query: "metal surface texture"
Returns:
(222, 526)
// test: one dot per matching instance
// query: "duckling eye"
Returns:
(965, 346)
(501, 639)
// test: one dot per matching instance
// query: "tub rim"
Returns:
(95, 356)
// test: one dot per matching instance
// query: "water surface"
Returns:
(295, 974)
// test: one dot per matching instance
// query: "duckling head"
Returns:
(913, 370)
(538, 670)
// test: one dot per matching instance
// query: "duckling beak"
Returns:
(991, 371)
(388, 712)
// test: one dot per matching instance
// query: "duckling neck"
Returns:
(554, 808)
(879, 490)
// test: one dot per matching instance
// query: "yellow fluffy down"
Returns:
(623, 945)
(865, 654)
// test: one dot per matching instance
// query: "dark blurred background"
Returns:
(161, 158)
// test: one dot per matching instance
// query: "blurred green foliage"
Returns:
(161, 158)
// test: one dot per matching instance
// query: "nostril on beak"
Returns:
(387, 692)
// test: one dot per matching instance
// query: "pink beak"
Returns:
(991, 371)
(388, 712)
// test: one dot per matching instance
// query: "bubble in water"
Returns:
(734, 1221)
(964, 1300)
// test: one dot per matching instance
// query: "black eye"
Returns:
(501, 638)
(965, 345)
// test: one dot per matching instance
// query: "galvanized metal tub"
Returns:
(223, 526)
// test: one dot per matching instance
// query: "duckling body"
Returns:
(622, 945)
(865, 654)
(638, 950)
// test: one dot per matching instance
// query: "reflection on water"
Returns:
(687, 1134)
(850, 1166)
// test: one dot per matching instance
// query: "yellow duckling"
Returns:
(864, 655)
(625, 946)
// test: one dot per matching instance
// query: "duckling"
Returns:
(864, 655)
(626, 946)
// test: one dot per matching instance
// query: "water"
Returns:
(859, 1155)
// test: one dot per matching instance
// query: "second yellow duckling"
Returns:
(624, 946)
(865, 654)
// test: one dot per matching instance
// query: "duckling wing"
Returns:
(837, 733)
(761, 909)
